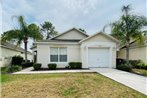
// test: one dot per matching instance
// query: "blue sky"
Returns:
(90, 15)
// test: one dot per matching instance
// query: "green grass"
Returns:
(140, 71)
(69, 85)
(3, 69)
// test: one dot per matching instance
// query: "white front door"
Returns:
(98, 57)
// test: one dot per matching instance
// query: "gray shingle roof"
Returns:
(13, 47)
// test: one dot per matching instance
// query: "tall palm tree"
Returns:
(126, 9)
(23, 34)
(128, 28)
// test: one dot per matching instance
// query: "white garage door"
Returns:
(98, 57)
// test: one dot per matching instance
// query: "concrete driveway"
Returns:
(134, 81)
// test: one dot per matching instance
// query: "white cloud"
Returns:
(90, 15)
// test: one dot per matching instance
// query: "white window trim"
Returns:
(59, 55)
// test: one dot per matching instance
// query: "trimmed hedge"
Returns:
(17, 60)
(37, 66)
(124, 67)
(75, 65)
(52, 66)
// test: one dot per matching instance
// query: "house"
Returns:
(8, 50)
(137, 51)
(98, 50)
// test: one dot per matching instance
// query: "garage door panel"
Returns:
(98, 57)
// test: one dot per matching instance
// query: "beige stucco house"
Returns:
(98, 50)
(8, 50)
(137, 51)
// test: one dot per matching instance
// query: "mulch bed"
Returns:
(46, 69)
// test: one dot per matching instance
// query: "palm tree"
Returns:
(23, 34)
(128, 28)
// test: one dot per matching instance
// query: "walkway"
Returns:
(29, 71)
(134, 81)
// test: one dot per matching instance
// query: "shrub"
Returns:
(124, 67)
(13, 68)
(52, 66)
(37, 66)
(17, 60)
(135, 63)
(28, 64)
(75, 65)
(138, 64)
(67, 67)
(120, 61)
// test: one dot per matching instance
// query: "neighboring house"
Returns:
(98, 50)
(8, 50)
(137, 51)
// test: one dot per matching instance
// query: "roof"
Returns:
(69, 31)
(13, 47)
(107, 35)
(70, 41)
(59, 40)
(134, 43)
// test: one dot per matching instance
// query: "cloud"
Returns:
(64, 14)
(90, 15)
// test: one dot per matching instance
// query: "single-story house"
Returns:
(98, 50)
(137, 51)
(8, 50)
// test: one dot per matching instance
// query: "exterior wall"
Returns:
(112, 52)
(135, 54)
(43, 54)
(72, 35)
(6, 54)
(77, 52)
(99, 38)
(99, 41)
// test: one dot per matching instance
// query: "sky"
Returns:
(90, 15)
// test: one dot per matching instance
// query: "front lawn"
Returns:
(69, 85)
(140, 71)
(3, 69)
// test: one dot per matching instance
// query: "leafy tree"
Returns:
(128, 28)
(48, 30)
(22, 34)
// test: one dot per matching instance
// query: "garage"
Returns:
(98, 57)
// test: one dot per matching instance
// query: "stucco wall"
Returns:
(76, 52)
(6, 54)
(135, 54)
(72, 35)
(43, 54)
(99, 38)
(99, 41)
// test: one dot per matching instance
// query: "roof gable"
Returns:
(72, 34)
(102, 37)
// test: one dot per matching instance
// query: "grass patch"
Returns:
(68, 85)
(69, 91)
(140, 71)
(3, 70)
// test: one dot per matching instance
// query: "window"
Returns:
(58, 54)
(63, 55)
(54, 55)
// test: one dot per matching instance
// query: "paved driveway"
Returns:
(133, 81)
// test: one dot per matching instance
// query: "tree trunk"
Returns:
(127, 53)
(25, 46)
